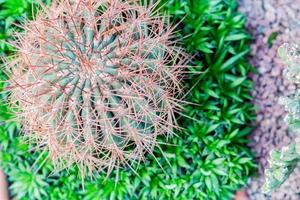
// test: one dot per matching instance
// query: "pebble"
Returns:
(275, 72)
(262, 70)
(270, 16)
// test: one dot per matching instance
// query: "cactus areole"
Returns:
(95, 82)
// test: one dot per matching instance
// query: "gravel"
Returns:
(267, 18)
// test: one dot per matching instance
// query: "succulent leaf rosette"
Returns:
(94, 83)
(283, 162)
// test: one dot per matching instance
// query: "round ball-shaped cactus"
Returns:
(95, 82)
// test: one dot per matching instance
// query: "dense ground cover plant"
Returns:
(10, 12)
(283, 162)
(209, 160)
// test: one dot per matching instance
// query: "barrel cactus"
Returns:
(95, 82)
(283, 162)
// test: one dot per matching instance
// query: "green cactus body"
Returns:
(95, 82)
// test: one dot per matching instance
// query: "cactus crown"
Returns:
(283, 162)
(95, 81)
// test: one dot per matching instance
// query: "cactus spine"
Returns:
(95, 82)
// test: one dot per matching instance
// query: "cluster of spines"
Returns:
(96, 82)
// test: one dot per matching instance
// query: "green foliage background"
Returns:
(209, 159)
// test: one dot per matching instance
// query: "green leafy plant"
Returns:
(221, 117)
(282, 163)
(13, 12)
(209, 158)
(271, 38)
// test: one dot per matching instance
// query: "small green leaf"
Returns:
(212, 127)
(211, 93)
(218, 161)
(238, 81)
(208, 183)
(232, 60)
(271, 38)
(235, 37)
(182, 162)
(244, 160)
(220, 171)
(233, 133)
